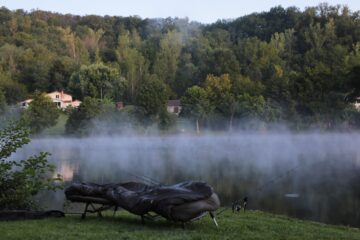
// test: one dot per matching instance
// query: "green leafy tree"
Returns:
(21, 180)
(185, 74)
(35, 64)
(98, 81)
(41, 113)
(243, 84)
(221, 96)
(251, 106)
(167, 59)
(248, 100)
(79, 121)
(222, 60)
(69, 38)
(324, 79)
(91, 41)
(218, 89)
(304, 61)
(60, 72)
(9, 58)
(133, 64)
(13, 91)
(354, 83)
(196, 105)
(153, 96)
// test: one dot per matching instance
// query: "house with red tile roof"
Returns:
(61, 99)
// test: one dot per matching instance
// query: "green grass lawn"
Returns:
(250, 225)
(59, 128)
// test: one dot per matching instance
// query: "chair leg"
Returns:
(183, 225)
(84, 214)
(115, 209)
(99, 214)
(142, 219)
(213, 218)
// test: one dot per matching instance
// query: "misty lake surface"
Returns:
(311, 176)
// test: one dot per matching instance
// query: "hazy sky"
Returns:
(205, 11)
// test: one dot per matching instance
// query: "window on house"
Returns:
(57, 96)
(176, 109)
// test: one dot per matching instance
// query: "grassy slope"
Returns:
(59, 128)
(251, 225)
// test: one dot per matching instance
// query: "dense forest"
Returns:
(288, 66)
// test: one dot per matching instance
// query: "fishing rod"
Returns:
(279, 178)
(236, 205)
(144, 178)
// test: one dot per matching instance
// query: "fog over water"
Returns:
(307, 175)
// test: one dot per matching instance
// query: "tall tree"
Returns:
(133, 65)
(13, 91)
(196, 105)
(153, 96)
(69, 39)
(219, 91)
(92, 43)
(167, 59)
(98, 81)
(41, 113)
(79, 121)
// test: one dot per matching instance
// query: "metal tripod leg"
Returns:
(86, 209)
(213, 218)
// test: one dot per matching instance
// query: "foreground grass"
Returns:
(251, 225)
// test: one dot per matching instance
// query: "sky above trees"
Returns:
(205, 11)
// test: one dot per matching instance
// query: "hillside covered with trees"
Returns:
(282, 66)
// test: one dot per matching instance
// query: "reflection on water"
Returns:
(311, 176)
(66, 170)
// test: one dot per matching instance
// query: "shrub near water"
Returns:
(21, 180)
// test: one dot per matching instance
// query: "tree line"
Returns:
(283, 65)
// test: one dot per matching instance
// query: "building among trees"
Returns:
(174, 106)
(61, 99)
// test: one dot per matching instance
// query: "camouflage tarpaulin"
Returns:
(181, 202)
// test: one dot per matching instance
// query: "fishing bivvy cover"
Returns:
(180, 202)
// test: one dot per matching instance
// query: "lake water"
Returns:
(310, 176)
